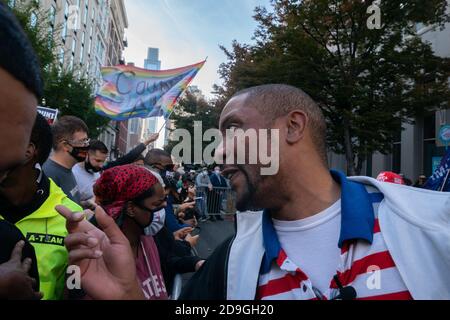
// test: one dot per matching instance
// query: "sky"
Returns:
(188, 31)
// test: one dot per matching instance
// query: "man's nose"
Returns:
(220, 153)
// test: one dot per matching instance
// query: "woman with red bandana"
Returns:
(130, 195)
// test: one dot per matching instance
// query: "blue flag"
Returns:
(440, 180)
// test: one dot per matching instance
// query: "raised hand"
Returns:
(152, 138)
(105, 258)
(182, 233)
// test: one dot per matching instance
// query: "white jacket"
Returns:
(415, 225)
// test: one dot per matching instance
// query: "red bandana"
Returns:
(119, 185)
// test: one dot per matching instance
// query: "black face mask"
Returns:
(79, 153)
(89, 167)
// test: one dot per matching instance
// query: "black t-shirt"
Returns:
(9, 236)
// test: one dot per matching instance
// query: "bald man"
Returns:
(308, 233)
(320, 234)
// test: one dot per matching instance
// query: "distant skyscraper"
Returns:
(152, 62)
(153, 125)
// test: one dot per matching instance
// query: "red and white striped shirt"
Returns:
(365, 265)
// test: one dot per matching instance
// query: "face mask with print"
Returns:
(79, 153)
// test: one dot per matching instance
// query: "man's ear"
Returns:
(296, 122)
(64, 146)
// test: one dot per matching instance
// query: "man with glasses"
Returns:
(70, 146)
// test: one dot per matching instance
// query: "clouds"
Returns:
(188, 31)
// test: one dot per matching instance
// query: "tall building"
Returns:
(152, 62)
(152, 125)
(79, 28)
(116, 44)
(89, 34)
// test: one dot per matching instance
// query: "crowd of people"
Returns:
(128, 224)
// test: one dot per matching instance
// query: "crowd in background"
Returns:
(49, 174)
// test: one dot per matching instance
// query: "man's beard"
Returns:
(248, 199)
(90, 168)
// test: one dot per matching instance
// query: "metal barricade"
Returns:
(177, 287)
(216, 201)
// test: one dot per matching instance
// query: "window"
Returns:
(85, 17)
(134, 126)
(74, 46)
(91, 32)
(64, 31)
(89, 47)
(66, 10)
(33, 20)
(61, 57)
(52, 16)
(100, 49)
(83, 37)
(82, 55)
(66, 17)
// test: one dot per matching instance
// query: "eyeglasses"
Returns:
(83, 143)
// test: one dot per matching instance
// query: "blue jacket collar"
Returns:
(357, 219)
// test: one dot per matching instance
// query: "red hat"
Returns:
(390, 177)
(119, 185)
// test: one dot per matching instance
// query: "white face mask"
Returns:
(217, 171)
(205, 172)
(158, 222)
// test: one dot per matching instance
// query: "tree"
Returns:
(191, 108)
(366, 81)
(63, 88)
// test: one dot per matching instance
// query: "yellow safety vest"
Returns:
(46, 230)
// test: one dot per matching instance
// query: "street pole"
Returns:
(441, 189)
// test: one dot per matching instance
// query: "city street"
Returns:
(212, 234)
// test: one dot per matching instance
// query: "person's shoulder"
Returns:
(77, 170)
(52, 169)
(64, 200)
(77, 167)
(48, 165)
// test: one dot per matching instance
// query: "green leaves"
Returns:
(367, 82)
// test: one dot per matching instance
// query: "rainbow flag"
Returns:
(131, 92)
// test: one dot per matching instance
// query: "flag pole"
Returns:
(170, 114)
(165, 122)
(445, 180)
